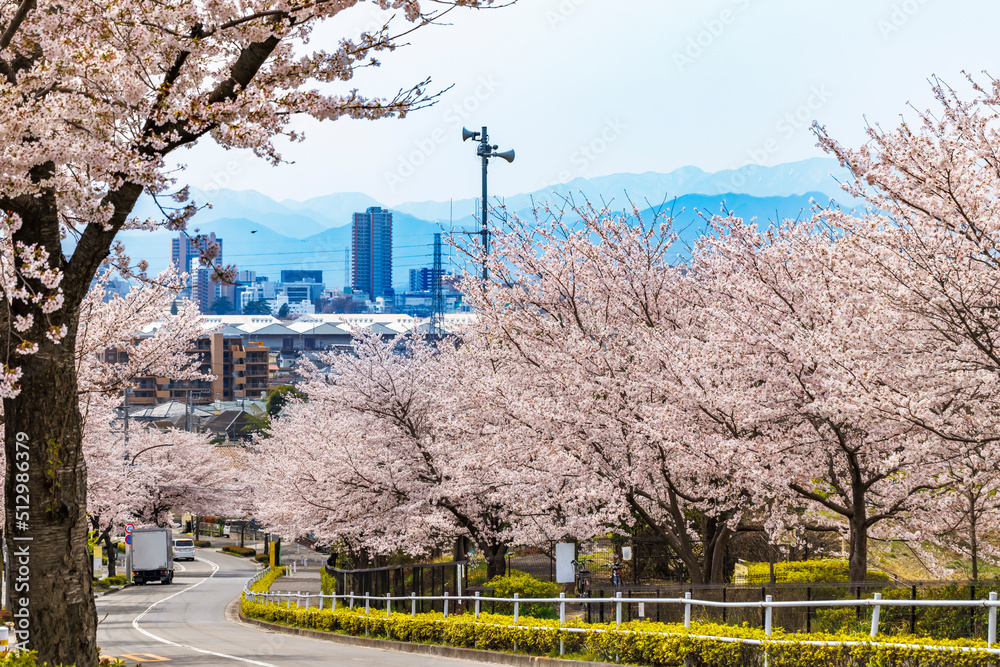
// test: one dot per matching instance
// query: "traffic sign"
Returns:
(129, 528)
(128, 539)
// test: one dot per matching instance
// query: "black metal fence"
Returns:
(404, 580)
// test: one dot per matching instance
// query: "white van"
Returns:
(184, 549)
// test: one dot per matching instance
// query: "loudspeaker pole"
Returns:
(485, 151)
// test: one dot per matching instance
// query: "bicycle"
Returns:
(616, 576)
(582, 577)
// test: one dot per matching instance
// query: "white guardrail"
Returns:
(768, 605)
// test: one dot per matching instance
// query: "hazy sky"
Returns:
(595, 87)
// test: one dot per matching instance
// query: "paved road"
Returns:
(184, 624)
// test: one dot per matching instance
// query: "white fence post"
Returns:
(991, 632)
(477, 605)
(618, 608)
(446, 604)
(298, 599)
(517, 608)
(767, 628)
(388, 605)
(562, 622)
(687, 611)
(767, 616)
(368, 601)
(333, 602)
(352, 600)
(875, 615)
(413, 604)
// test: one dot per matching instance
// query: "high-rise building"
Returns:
(184, 254)
(422, 280)
(371, 246)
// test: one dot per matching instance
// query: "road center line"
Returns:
(135, 624)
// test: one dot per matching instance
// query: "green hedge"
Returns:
(328, 585)
(637, 642)
(203, 544)
(526, 586)
(108, 582)
(264, 583)
(240, 551)
(262, 558)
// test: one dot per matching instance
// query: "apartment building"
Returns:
(240, 370)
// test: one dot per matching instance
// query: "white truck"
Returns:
(152, 556)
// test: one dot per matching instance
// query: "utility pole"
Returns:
(126, 391)
(485, 151)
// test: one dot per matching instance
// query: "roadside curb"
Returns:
(492, 657)
(111, 590)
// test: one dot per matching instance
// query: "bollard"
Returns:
(477, 605)
(4, 639)
(562, 622)
(875, 615)
(618, 608)
(991, 632)
(687, 611)
(446, 604)
(413, 604)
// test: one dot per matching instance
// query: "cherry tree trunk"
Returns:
(496, 564)
(112, 550)
(974, 545)
(50, 589)
(857, 564)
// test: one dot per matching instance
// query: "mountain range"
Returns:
(265, 235)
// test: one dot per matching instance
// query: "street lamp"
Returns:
(485, 151)
(126, 457)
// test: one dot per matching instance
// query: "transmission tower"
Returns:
(437, 292)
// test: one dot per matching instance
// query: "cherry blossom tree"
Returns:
(929, 242)
(964, 513)
(405, 448)
(814, 349)
(588, 304)
(147, 342)
(97, 95)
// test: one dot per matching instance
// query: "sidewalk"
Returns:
(306, 563)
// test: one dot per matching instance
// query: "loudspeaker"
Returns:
(469, 134)
(506, 155)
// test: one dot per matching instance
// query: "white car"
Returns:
(184, 549)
